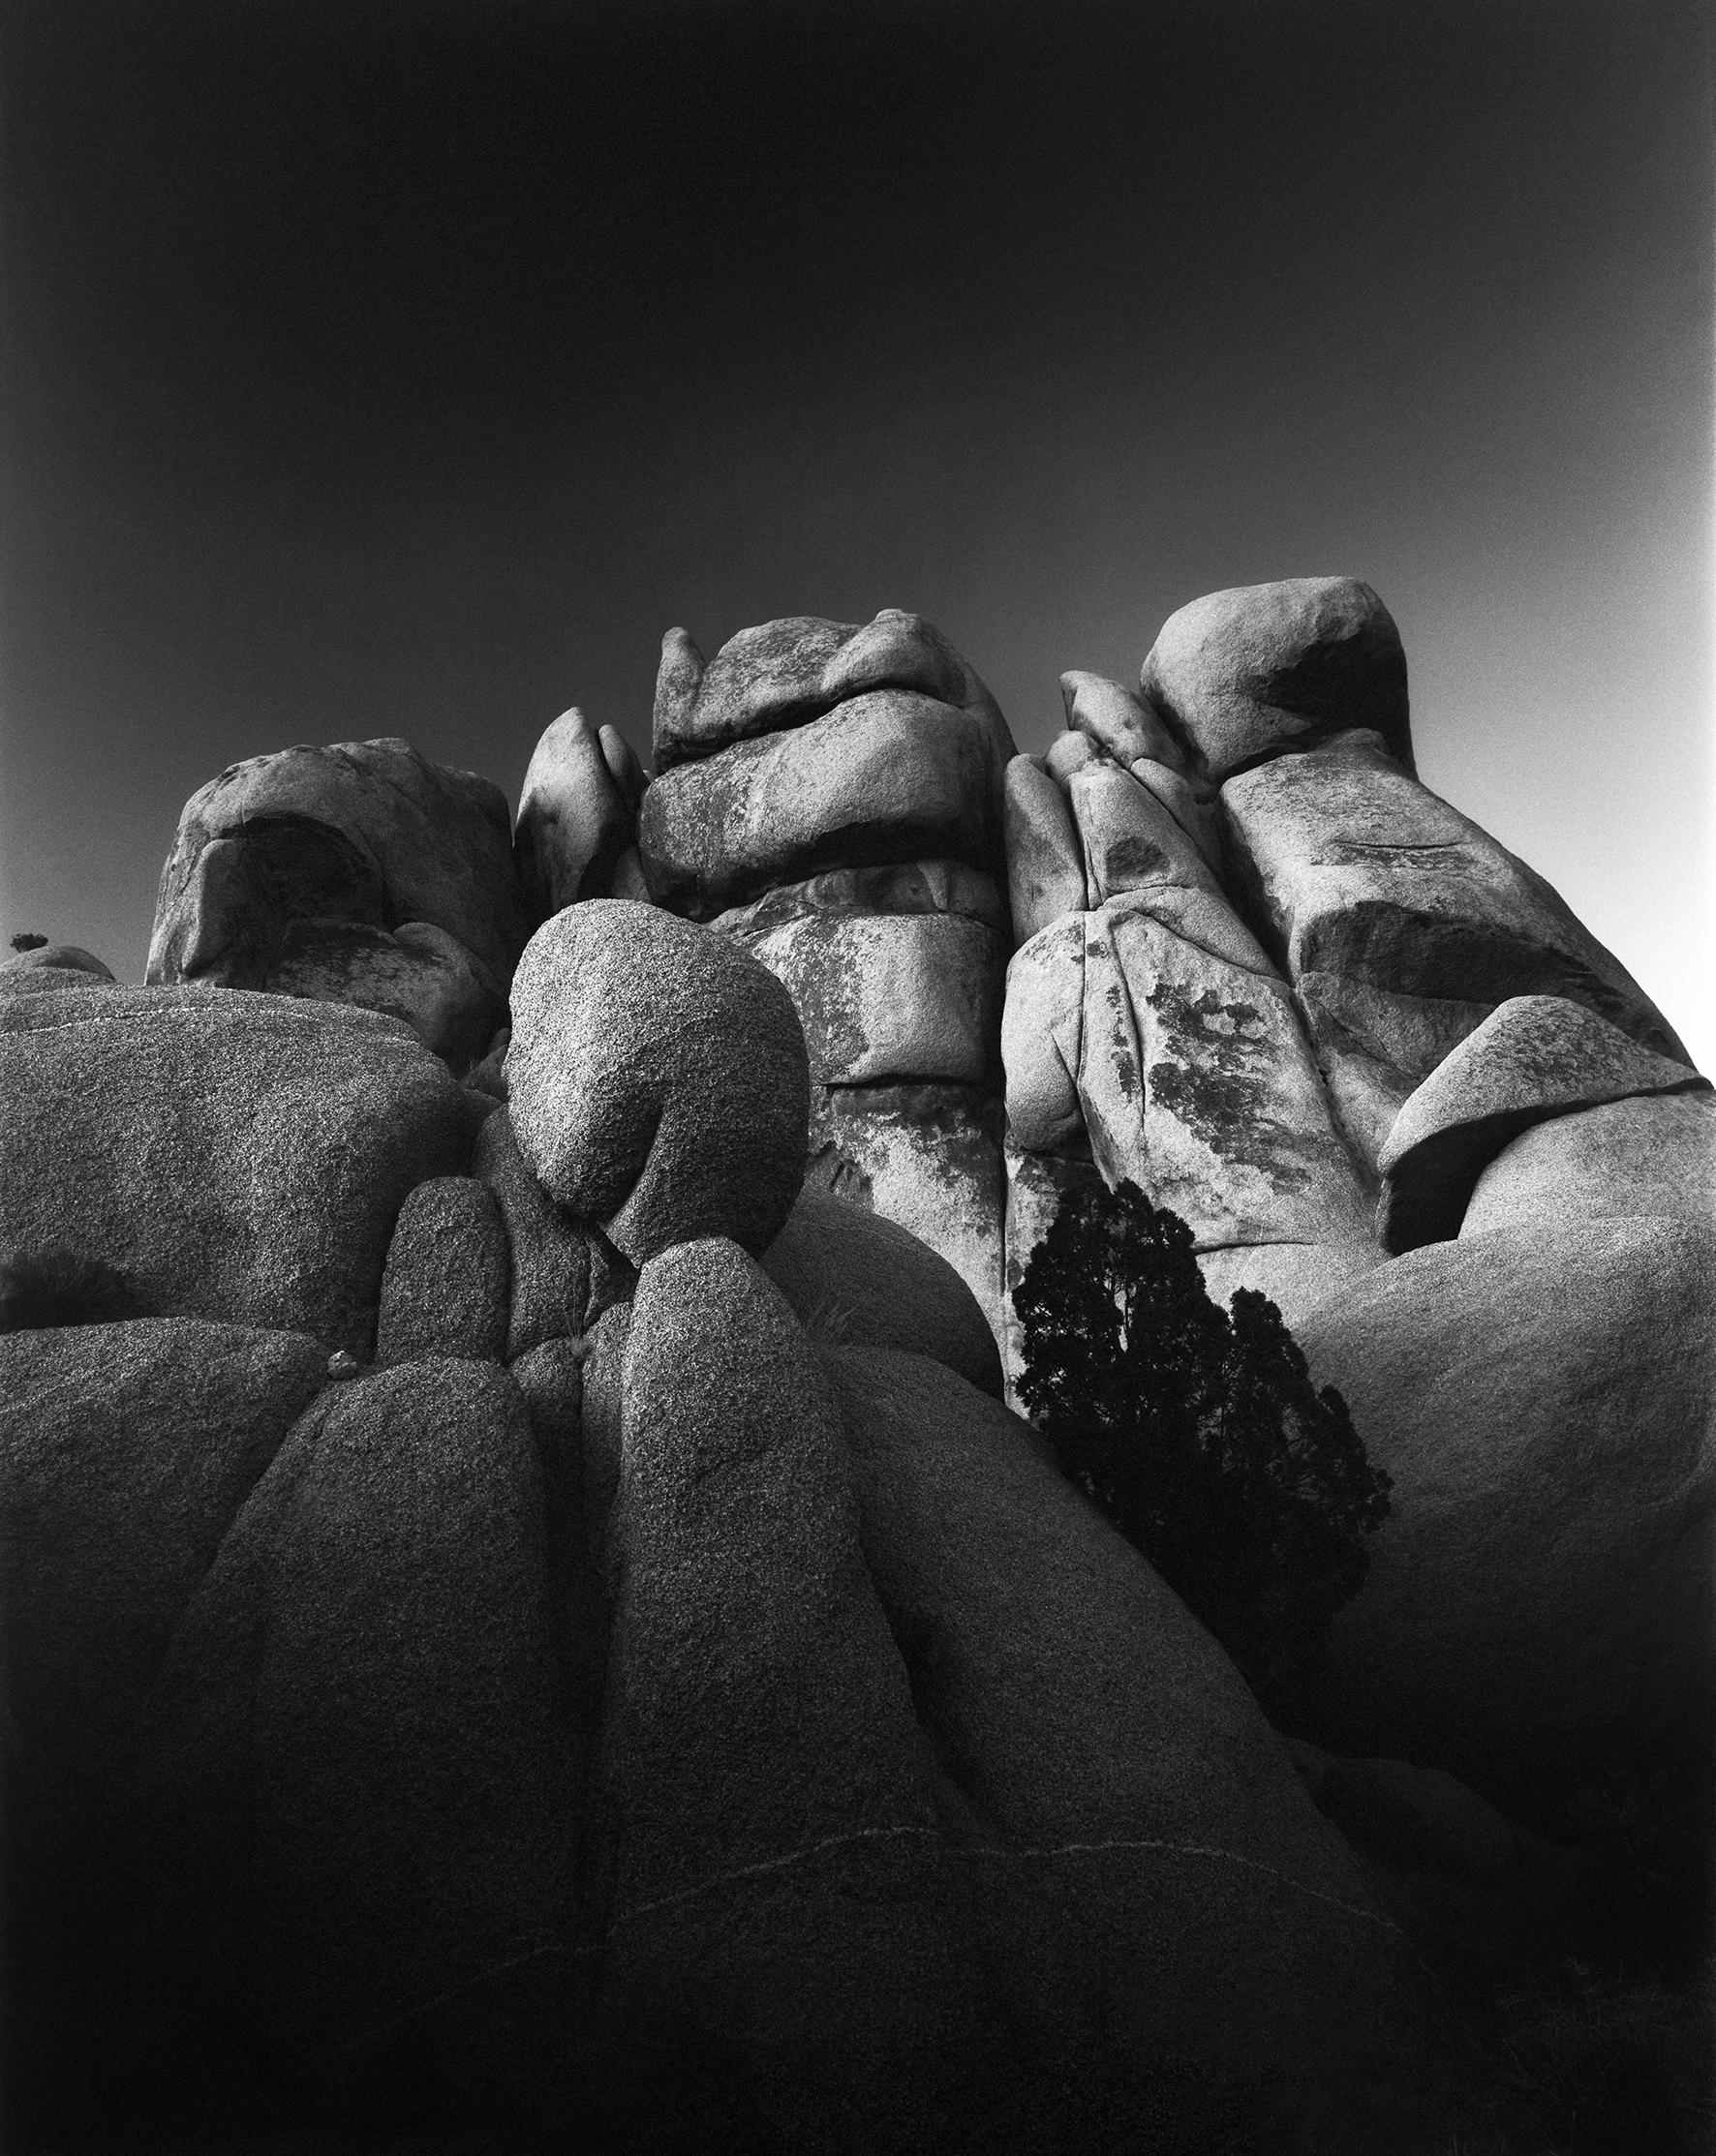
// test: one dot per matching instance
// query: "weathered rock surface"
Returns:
(907, 887)
(1654, 1157)
(1045, 861)
(657, 1078)
(445, 1290)
(887, 778)
(1140, 1856)
(420, 974)
(1534, 1057)
(1538, 1607)
(1120, 723)
(237, 1156)
(858, 1279)
(1246, 673)
(1401, 925)
(781, 674)
(125, 1452)
(549, 1267)
(930, 1157)
(773, 1883)
(891, 996)
(367, 835)
(576, 815)
(53, 958)
(1156, 1028)
(364, 1696)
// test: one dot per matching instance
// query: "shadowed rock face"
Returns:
(358, 873)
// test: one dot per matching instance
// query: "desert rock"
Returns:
(657, 1078)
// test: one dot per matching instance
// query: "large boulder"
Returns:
(779, 1929)
(366, 1780)
(1538, 1607)
(890, 996)
(781, 674)
(1177, 1936)
(577, 814)
(928, 1156)
(1654, 1157)
(126, 1451)
(884, 777)
(1045, 862)
(282, 852)
(549, 1269)
(237, 1156)
(446, 1291)
(1533, 1058)
(1246, 673)
(1401, 924)
(855, 1277)
(657, 1078)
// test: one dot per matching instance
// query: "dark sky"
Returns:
(408, 368)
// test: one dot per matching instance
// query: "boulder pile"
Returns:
(526, 1601)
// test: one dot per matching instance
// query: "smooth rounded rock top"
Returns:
(658, 1080)
(1246, 673)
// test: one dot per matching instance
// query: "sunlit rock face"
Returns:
(831, 796)
(1249, 938)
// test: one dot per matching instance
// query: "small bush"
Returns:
(1198, 1433)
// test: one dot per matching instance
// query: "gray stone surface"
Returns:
(366, 831)
(1045, 861)
(1401, 925)
(549, 1255)
(574, 820)
(238, 1156)
(1156, 1023)
(1537, 1604)
(888, 778)
(1653, 1157)
(1246, 673)
(369, 1782)
(445, 1290)
(126, 1451)
(1534, 1057)
(859, 1280)
(951, 887)
(1120, 723)
(57, 958)
(657, 1078)
(781, 674)
(775, 1892)
(418, 973)
(930, 1157)
(884, 997)
(1141, 1856)
(1129, 838)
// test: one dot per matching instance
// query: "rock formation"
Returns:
(830, 795)
(548, 1610)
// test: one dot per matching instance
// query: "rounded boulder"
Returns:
(658, 1080)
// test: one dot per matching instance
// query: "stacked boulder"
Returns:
(480, 1625)
(1248, 935)
(360, 873)
(830, 795)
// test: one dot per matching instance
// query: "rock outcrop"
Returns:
(358, 873)
(523, 1598)
(238, 1156)
(831, 796)
(656, 1079)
